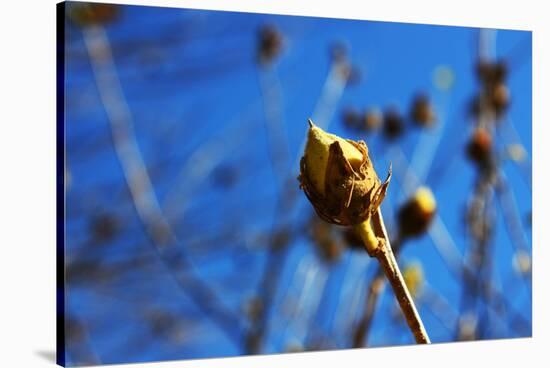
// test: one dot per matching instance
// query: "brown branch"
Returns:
(390, 267)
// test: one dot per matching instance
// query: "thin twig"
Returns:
(363, 327)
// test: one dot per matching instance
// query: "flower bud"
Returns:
(362, 122)
(480, 146)
(338, 178)
(393, 124)
(372, 119)
(270, 44)
(522, 262)
(422, 113)
(492, 73)
(500, 98)
(351, 118)
(414, 278)
(416, 215)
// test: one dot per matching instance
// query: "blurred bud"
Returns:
(422, 112)
(443, 77)
(413, 274)
(362, 122)
(415, 216)
(467, 326)
(104, 227)
(479, 147)
(339, 179)
(339, 51)
(516, 152)
(270, 44)
(351, 118)
(500, 98)
(393, 124)
(491, 73)
(88, 14)
(522, 262)
(372, 119)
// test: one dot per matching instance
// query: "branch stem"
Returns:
(384, 254)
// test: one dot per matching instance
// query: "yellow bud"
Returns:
(425, 199)
(416, 215)
(516, 152)
(522, 262)
(414, 277)
(338, 178)
(317, 152)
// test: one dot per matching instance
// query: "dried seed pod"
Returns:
(270, 44)
(479, 147)
(415, 216)
(88, 14)
(500, 98)
(491, 73)
(413, 275)
(422, 112)
(351, 118)
(339, 179)
(364, 122)
(372, 119)
(393, 124)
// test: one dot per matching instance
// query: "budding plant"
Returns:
(338, 178)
